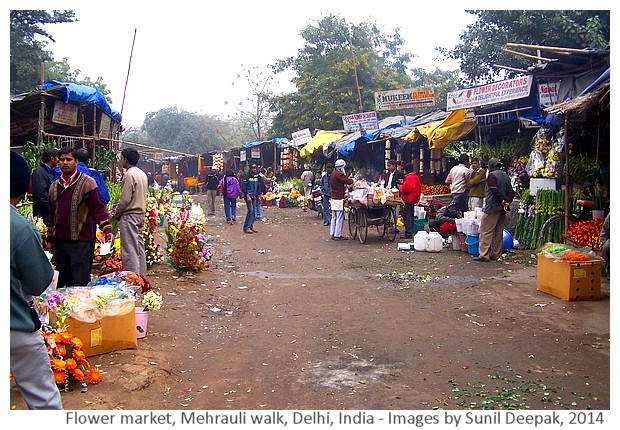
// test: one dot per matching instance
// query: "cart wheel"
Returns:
(353, 223)
(389, 228)
(362, 225)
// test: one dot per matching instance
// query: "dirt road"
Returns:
(288, 319)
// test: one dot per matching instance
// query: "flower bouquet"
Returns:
(152, 301)
(67, 360)
(187, 248)
(447, 229)
(151, 220)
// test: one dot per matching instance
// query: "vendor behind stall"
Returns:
(445, 214)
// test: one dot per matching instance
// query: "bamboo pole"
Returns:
(550, 48)
(521, 54)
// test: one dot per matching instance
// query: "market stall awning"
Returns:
(442, 133)
(320, 138)
(277, 140)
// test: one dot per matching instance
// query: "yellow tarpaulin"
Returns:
(320, 138)
(442, 133)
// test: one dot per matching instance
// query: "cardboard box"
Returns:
(110, 333)
(570, 281)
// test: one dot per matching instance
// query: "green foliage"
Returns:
(483, 42)
(324, 74)
(33, 152)
(103, 158)
(28, 42)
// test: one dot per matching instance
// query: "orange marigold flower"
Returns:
(60, 377)
(84, 362)
(61, 350)
(66, 337)
(77, 342)
(77, 374)
(94, 376)
(71, 363)
(78, 354)
(59, 364)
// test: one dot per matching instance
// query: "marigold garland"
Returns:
(587, 232)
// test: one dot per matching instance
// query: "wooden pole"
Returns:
(566, 176)
(41, 108)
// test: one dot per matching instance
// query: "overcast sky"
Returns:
(190, 56)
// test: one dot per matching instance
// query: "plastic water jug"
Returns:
(419, 240)
(434, 242)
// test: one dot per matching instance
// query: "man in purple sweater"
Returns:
(75, 204)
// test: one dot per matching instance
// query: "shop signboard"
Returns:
(496, 92)
(404, 99)
(548, 93)
(366, 121)
(301, 137)
(65, 113)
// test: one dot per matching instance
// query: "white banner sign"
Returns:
(366, 120)
(403, 99)
(496, 92)
(301, 137)
(255, 152)
(548, 93)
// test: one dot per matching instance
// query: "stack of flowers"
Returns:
(151, 220)
(188, 247)
(67, 360)
(447, 229)
(586, 233)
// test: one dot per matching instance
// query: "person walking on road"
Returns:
(307, 178)
(251, 185)
(498, 196)
(211, 185)
(231, 190)
(31, 273)
(339, 182)
(130, 212)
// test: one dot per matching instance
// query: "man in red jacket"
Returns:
(410, 192)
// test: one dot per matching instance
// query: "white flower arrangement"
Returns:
(152, 301)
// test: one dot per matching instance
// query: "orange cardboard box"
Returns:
(569, 280)
(107, 334)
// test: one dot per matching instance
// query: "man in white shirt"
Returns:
(457, 179)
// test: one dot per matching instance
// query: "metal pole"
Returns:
(128, 68)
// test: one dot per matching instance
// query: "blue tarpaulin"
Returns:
(277, 140)
(84, 94)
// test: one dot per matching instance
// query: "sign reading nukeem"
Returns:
(403, 99)
(496, 92)
(366, 121)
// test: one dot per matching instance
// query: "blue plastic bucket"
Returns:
(508, 242)
(472, 244)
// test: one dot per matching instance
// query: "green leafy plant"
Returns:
(33, 152)
(103, 158)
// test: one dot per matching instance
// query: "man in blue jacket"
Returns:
(252, 186)
(82, 157)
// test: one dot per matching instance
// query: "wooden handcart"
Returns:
(382, 216)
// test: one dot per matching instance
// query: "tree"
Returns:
(338, 58)
(182, 131)
(483, 41)
(253, 112)
(27, 51)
